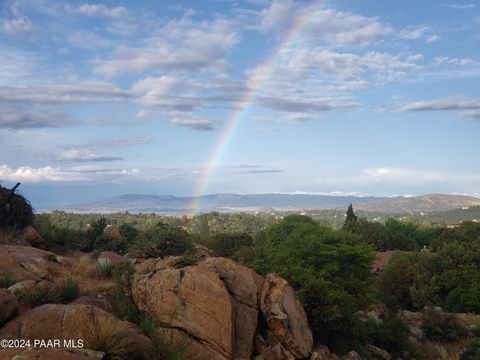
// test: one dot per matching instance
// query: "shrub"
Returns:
(15, 211)
(39, 294)
(6, 280)
(108, 337)
(472, 351)
(161, 242)
(228, 244)
(440, 326)
(106, 268)
(67, 290)
(391, 333)
(50, 257)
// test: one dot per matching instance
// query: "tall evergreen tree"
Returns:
(351, 218)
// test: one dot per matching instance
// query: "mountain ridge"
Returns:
(230, 202)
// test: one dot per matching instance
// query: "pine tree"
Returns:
(351, 218)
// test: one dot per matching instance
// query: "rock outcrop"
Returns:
(9, 306)
(286, 317)
(111, 257)
(28, 263)
(213, 309)
(50, 354)
(76, 322)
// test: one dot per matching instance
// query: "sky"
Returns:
(186, 98)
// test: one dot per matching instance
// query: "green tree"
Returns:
(351, 218)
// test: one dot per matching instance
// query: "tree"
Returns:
(351, 219)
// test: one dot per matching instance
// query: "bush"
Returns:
(66, 290)
(15, 211)
(440, 326)
(162, 242)
(228, 244)
(6, 280)
(391, 333)
(106, 268)
(473, 350)
(330, 272)
(109, 337)
(40, 294)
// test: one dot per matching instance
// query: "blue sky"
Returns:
(104, 98)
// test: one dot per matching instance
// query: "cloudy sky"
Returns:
(367, 97)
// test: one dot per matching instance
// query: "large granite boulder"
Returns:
(9, 306)
(50, 354)
(285, 316)
(76, 322)
(28, 263)
(193, 305)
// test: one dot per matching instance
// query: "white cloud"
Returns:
(445, 60)
(82, 92)
(418, 32)
(32, 116)
(336, 28)
(98, 10)
(182, 45)
(86, 155)
(459, 6)
(450, 103)
(18, 23)
(194, 123)
(34, 175)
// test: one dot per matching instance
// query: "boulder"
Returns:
(377, 353)
(27, 263)
(9, 306)
(20, 287)
(50, 354)
(285, 316)
(111, 257)
(322, 352)
(194, 302)
(244, 286)
(75, 322)
(33, 238)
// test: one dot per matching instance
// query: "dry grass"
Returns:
(111, 338)
(87, 275)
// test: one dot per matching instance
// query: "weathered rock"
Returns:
(285, 316)
(9, 306)
(244, 286)
(50, 354)
(322, 352)
(99, 301)
(195, 302)
(156, 264)
(377, 353)
(352, 355)
(33, 238)
(276, 352)
(74, 322)
(19, 288)
(111, 257)
(27, 263)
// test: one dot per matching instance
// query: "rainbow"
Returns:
(245, 104)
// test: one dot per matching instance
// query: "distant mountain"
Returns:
(423, 203)
(166, 204)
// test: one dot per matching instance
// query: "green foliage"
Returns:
(106, 268)
(390, 333)
(66, 290)
(350, 219)
(15, 211)
(129, 233)
(161, 242)
(472, 351)
(396, 280)
(228, 244)
(440, 326)
(328, 269)
(6, 280)
(39, 294)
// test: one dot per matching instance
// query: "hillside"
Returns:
(174, 205)
(219, 202)
(424, 203)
